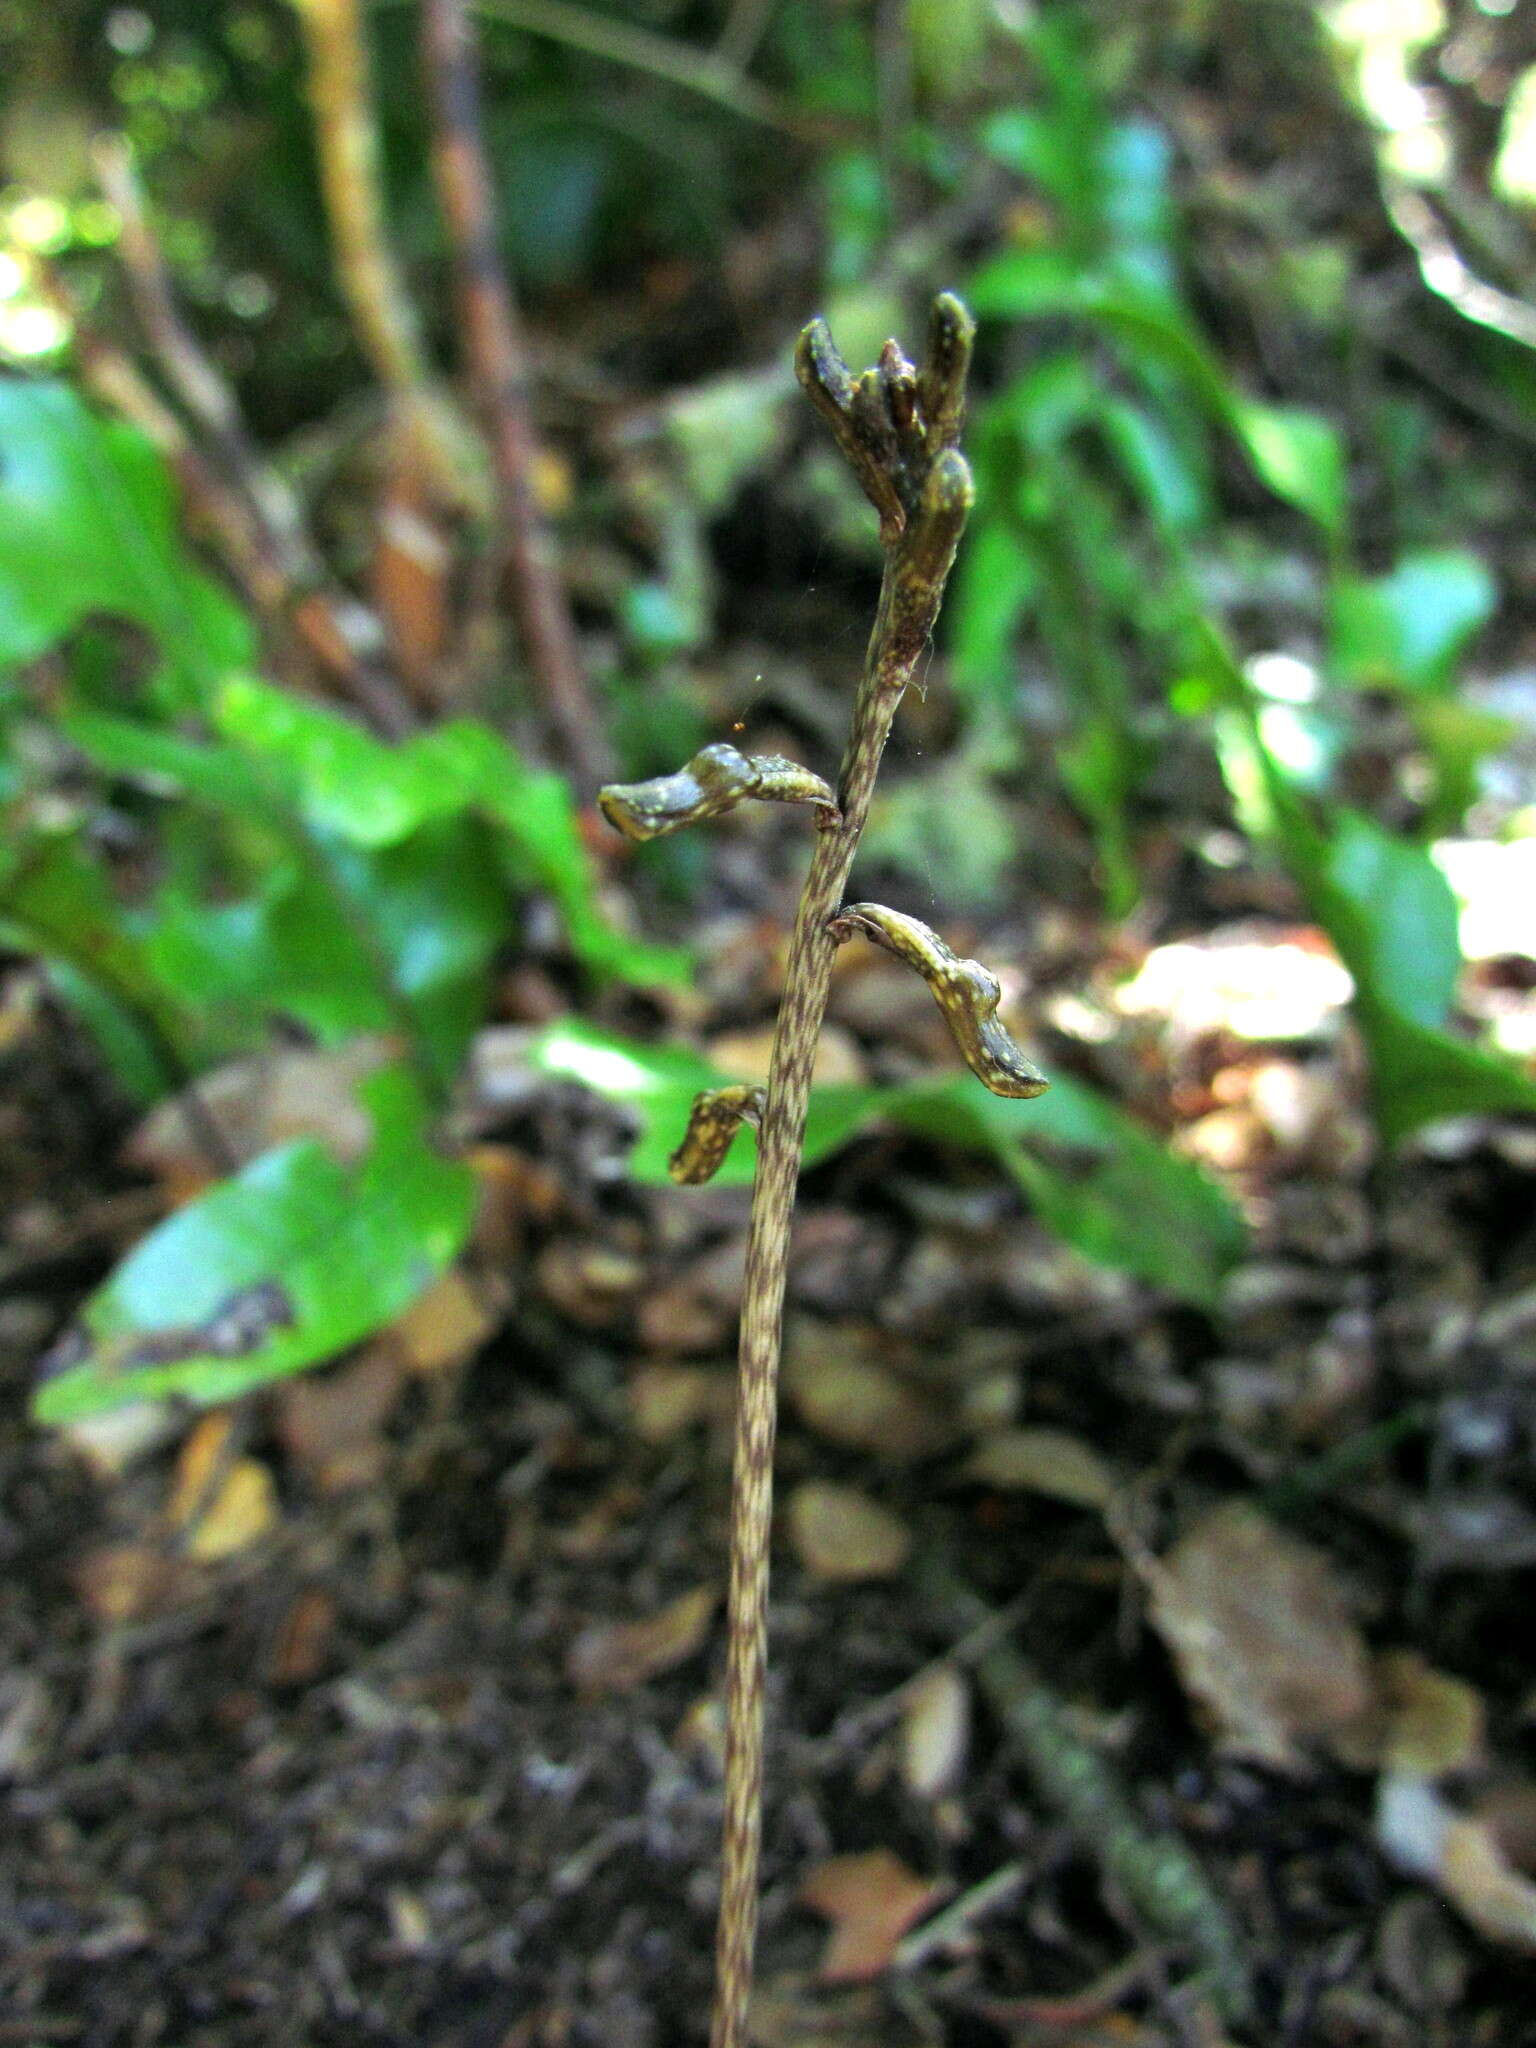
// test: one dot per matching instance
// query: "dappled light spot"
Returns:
(1242, 980)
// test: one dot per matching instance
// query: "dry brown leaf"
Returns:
(871, 1899)
(411, 566)
(129, 1581)
(612, 1656)
(259, 1102)
(793, 2011)
(221, 1508)
(303, 1641)
(852, 1400)
(1460, 1855)
(935, 1731)
(1047, 1461)
(333, 1424)
(744, 1056)
(1259, 1629)
(591, 1283)
(840, 1534)
(120, 1438)
(1435, 1724)
(667, 1400)
(445, 1325)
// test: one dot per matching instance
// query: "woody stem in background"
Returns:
(498, 366)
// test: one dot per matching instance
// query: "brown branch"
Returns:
(498, 364)
(433, 441)
(247, 504)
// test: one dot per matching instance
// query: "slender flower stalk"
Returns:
(898, 428)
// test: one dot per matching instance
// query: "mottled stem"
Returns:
(922, 489)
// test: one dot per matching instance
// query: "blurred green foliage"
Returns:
(200, 855)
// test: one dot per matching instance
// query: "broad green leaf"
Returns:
(89, 519)
(1408, 628)
(995, 583)
(1514, 168)
(280, 1268)
(57, 902)
(353, 927)
(371, 793)
(948, 44)
(1393, 917)
(1420, 1074)
(949, 822)
(1101, 1181)
(1172, 486)
(533, 807)
(659, 1083)
(1025, 284)
(1299, 455)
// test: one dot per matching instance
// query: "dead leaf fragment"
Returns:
(871, 1900)
(1435, 1723)
(1259, 1629)
(1458, 1854)
(614, 1656)
(129, 1581)
(219, 1507)
(852, 1400)
(303, 1641)
(1047, 1461)
(665, 1401)
(445, 1325)
(259, 1102)
(332, 1424)
(744, 1056)
(935, 1731)
(793, 2011)
(591, 1283)
(841, 1534)
(113, 1442)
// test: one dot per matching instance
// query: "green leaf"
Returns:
(1392, 914)
(1409, 627)
(1096, 1177)
(57, 901)
(1420, 1075)
(89, 519)
(1299, 455)
(280, 1268)
(1172, 486)
(995, 583)
(371, 793)
(382, 910)
(1102, 1182)
(659, 1083)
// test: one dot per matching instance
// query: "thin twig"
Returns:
(250, 507)
(498, 358)
(434, 443)
(704, 72)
